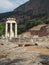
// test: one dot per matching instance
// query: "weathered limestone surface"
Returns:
(11, 54)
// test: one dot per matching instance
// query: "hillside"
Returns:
(31, 13)
(28, 10)
(34, 7)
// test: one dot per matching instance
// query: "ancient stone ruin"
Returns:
(11, 34)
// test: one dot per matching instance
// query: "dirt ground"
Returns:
(27, 55)
(40, 50)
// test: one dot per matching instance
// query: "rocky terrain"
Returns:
(11, 54)
(34, 7)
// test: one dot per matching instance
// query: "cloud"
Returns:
(8, 5)
(5, 4)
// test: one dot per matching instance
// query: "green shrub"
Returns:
(1, 29)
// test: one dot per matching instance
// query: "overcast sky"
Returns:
(9, 5)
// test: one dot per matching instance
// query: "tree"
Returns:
(1, 29)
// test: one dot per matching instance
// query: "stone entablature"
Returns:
(13, 19)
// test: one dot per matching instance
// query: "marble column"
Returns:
(15, 30)
(6, 30)
(10, 30)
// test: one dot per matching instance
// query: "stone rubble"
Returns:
(11, 54)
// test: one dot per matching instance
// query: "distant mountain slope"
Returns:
(36, 6)
(28, 9)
